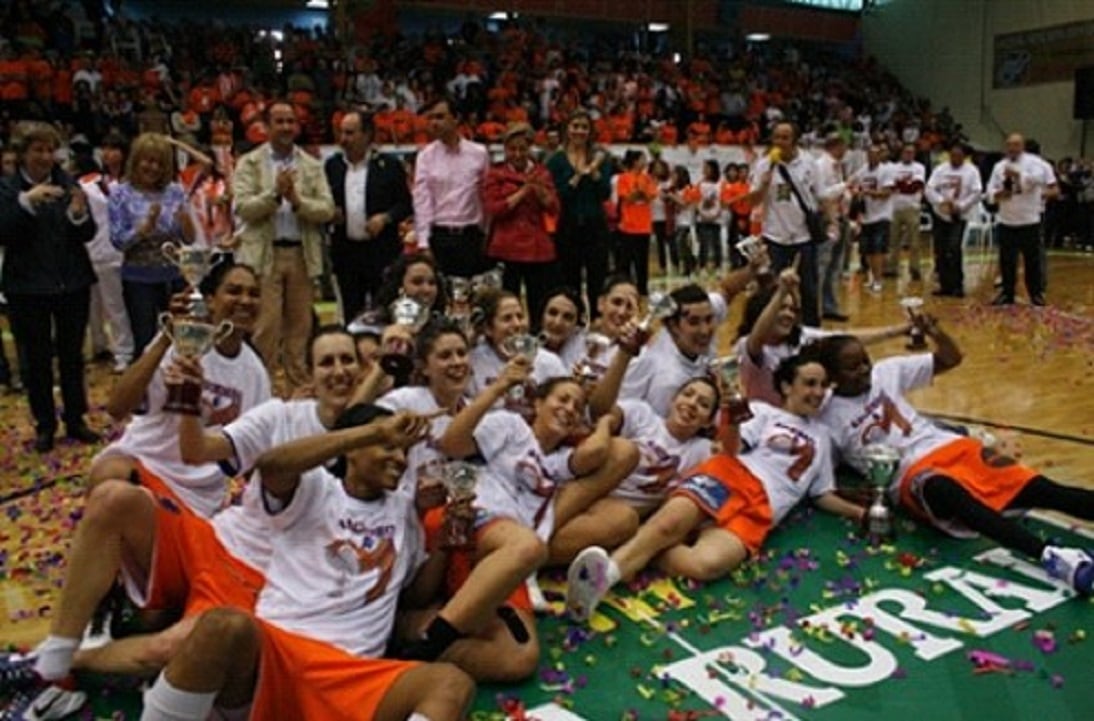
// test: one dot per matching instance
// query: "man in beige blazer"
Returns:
(282, 197)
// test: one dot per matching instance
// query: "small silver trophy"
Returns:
(395, 359)
(728, 370)
(524, 346)
(489, 280)
(192, 338)
(912, 306)
(662, 306)
(882, 461)
(193, 264)
(749, 247)
(591, 368)
(459, 478)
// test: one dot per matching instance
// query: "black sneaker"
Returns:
(81, 433)
(1003, 300)
(1038, 300)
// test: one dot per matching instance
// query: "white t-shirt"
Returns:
(709, 209)
(659, 371)
(423, 458)
(790, 455)
(519, 480)
(340, 563)
(903, 175)
(784, 220)
(232, 386)
(961, 186)
(882, 415)
(243, 528)
(877, 178)
(661, 456)
(758, 379)
(1024, 206)
(487, 365)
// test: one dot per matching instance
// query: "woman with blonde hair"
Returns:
(146, 211)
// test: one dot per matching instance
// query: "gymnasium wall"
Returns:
(943, 49)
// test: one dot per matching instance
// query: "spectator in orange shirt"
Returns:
(622, 125)
(636, 190)
(734, 199)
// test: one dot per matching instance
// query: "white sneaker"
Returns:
(1074, 566)
(875, 287)
(93, 640)
(50, 704)
(587, 582)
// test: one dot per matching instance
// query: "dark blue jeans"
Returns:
(144, 302)
(782, 256)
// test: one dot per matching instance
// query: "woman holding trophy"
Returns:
(533, 493)
(950, 481)
(234, 381)
(733, 500)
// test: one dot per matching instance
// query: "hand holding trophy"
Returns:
(396, 359)
(459, 479)
(662, 306)
(521, 345)
(192, 338)
(913, 307)
(727, 370)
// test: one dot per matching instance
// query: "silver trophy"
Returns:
(662, 306)
(749, 247)
(459, 480)
(193, 264)
(521, 345)
(591, 368)
(912, 305)
(459, 290)
(192, 338)
(395, 359)
(728, 370)
(487, 281)
(882, 461)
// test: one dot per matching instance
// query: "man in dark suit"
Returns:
(371, 198)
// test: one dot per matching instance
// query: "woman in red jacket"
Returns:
(518, 196)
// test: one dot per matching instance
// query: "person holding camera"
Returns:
(47, 279)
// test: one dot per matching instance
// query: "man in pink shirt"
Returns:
(448, 180)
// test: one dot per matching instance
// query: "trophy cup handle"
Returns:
(165, 322)
(224, 329)
(171, 252)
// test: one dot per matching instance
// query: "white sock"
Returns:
(55, 654)
(613, 574)
(164, 702)
(417, 717)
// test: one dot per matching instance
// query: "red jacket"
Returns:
(519, 233)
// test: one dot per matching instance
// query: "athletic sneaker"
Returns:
(17, 672)
(535, 594)
(49, 704)
(1072, 565)
(587, 582)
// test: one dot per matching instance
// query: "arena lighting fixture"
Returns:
(318, 4)
(758, 37)
(499, 15)
(658, 27)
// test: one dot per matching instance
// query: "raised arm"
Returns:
(786, 286)
(592, 452)
(458, 440)
(947, 355)
(281, 467)
(130, 389)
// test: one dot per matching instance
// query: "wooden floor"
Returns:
(1025, 368)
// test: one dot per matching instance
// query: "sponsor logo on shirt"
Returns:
(877, 420)
(658, 465)
(792, 442)
(375, 551)
(220, 405)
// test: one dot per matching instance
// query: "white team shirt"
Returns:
(243, 528)
(659, 371)
(1025, 206)
(832, 180)
(791, 456)
(882, 415)
(422, 459)
(784, 221)
(487, 365)
(519, 480)
(960, 185)
(340, 563)
(758, 376)
(232, 386)
(661, 456)
(903, 175)
(879, 177)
